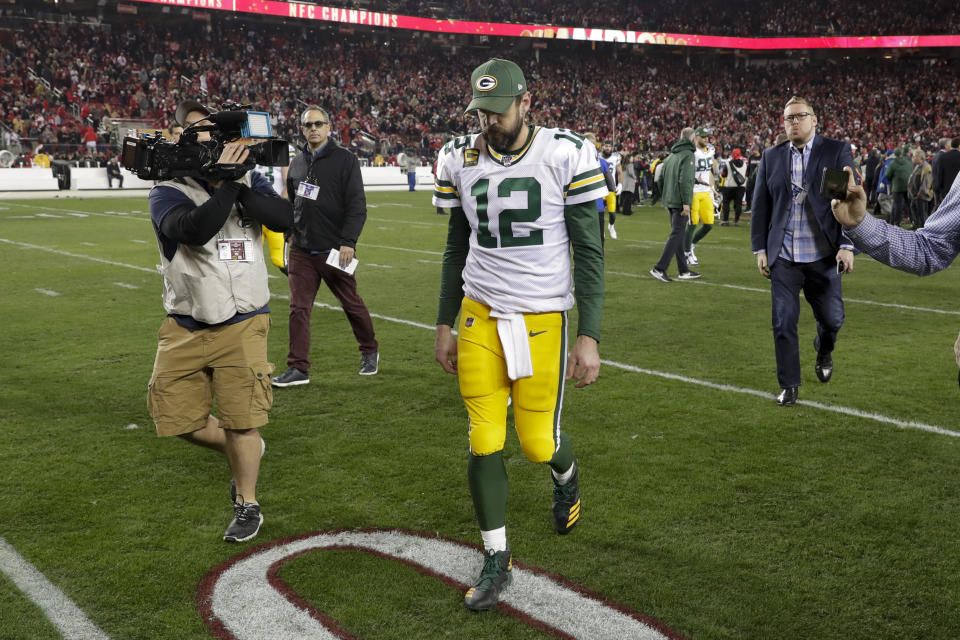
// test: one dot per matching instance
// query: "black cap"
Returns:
(184, 109)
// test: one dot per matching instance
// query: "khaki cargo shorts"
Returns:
(227, 365)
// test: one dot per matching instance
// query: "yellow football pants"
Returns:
(485, 386)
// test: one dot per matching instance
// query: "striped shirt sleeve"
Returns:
(927, 250)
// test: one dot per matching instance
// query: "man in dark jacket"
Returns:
(329, 209)
(871, 169)
(798, 244)
(676, 187)
(753, 163)
(898, 173)
(948, 166)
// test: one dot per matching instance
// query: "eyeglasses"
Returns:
(317, 123)
(796, 117)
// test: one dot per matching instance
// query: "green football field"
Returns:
(707, 508)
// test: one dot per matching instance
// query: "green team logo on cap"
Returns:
(486, 83)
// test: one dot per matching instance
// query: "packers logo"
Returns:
(470, 159)
(486, 83)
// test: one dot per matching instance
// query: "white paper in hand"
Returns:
(334, 261)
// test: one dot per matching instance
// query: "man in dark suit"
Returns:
(946, 169)
(798, 243)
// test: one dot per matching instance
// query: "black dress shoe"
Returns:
(787, 397)
(824, 367)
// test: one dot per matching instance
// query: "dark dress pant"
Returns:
(674, 245)
(307, 271)
(820, 284)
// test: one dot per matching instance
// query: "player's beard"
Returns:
(502, 139)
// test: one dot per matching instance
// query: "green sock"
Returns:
(487, 477)
(702, 232)
(688, 236)
(563, 457)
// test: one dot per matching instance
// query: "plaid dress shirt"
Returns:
(802, 241)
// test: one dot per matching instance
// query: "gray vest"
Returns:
(197, 283)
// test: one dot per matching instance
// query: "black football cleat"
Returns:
(566, 502)
(494, 578)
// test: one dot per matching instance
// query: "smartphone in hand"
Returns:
(833, 184)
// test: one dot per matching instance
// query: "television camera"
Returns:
(153, 157)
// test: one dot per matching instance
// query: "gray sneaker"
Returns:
(246, 522)
(369, 363)
(291, 378)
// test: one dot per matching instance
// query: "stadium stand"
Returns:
(705, 17)
(391, 90)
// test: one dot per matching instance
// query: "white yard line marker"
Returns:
(889, 305)
(59, 609)
(26, 245)
(909, 424)
(74, 212)
(47, 292)
(383, 246)
(407, 223)
(126, 286)
(330, 307)
(905, 424)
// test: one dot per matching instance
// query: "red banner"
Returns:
(359, 17)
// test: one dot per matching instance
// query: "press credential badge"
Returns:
(307, 190)
(235, 249)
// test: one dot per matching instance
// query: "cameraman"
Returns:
(213, 343)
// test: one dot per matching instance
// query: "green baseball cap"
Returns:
(703, 132)
(495, 84)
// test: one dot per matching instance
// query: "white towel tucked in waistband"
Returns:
(512, 329)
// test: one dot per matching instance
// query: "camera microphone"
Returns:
(228, 118)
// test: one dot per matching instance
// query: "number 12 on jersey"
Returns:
(508, 217)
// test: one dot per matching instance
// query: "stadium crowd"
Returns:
(60, 84)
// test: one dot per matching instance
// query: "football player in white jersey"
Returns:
(275, 241)
(519, 197)
(616, 165)
(702, 210)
